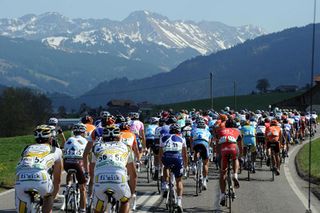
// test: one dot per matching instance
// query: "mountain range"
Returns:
(142, 36)
(283, 58)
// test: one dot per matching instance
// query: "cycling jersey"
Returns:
(172, 146)
(136, 126)
(90, 129)
(273, 133)
(249, 135)
(74, 147)
(201, 134)
(33, 172)
(151, 131)
(128, 138)
(110, 172)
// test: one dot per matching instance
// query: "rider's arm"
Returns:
(132, 172)
(57, 169)
(86, 153)
(143, 138)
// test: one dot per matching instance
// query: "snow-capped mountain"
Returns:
(143, 36)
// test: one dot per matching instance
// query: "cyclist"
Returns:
(38, 162)
(201, 141)
(173, 155)
(88, 122)
(114, 160)
(274, 135)
(248, 132)
(129, 139)
(73, 159)
(137, 127)
(56, 132)
(229, 136)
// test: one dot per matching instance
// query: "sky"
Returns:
(271, 15)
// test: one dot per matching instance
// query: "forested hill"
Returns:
(284, 58)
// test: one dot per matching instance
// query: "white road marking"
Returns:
(294, 186)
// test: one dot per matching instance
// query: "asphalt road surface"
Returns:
(287, 193)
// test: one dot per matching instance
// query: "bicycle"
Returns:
(261, 149)
(199, 165)
(171, 199)
(230, 195)
(113, 205)
(36, 200)
(149, 165)
(272, 163)
(249, 160)
(72, 195)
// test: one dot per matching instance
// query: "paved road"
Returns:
(286, 194)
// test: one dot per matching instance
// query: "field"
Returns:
(251, 102)
(10, 151)
(303, 159)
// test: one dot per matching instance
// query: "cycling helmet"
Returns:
(153, 120)
(124, 126)
(227, 109)
(223, 117)
(164, 114)
(188, 122)
(43, 132)
(111, 132)
(87, 119)
(171, 120)
(53, 121)
(79, 128)
(201, 125)
(120, 119)
(175, 129)
(104, 114)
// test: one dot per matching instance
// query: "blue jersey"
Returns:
(201, 134)
(172, 143)
(165, 130)
(249, 134)
(151, 131)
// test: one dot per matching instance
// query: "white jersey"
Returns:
(111, 160)
(261, 129)
(39, 157)
(74, 147)
(172, 143)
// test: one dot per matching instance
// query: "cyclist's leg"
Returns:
(277, 156)
(122, 193)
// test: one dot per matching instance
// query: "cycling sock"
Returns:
(235, 175)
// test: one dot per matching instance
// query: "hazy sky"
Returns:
(272, 15)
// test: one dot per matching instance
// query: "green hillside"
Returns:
(251, 102)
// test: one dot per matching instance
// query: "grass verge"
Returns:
(302, 161)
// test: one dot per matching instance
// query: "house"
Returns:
(117, 106)
(286, 88)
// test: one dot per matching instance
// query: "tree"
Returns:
(263, 85)
(21, 109)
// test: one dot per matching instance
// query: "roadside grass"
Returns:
(251, 102)
(10, 151)
(303, 159)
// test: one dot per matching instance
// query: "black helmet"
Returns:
(120, 119)
(110, 132)
(175, 129)
(171, 120)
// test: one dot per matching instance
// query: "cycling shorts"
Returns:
(156, 146)
(173, 161)
(114, 181)
(202, 147)
(26, 180)
(150, 143)
(77, 165)
(261, 138)
(275, 145)
(228, 149)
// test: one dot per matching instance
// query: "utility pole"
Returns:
(234, 96)
(211, 89)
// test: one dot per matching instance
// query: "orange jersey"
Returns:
(128, 138)
(273, 133)
(90, 129)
